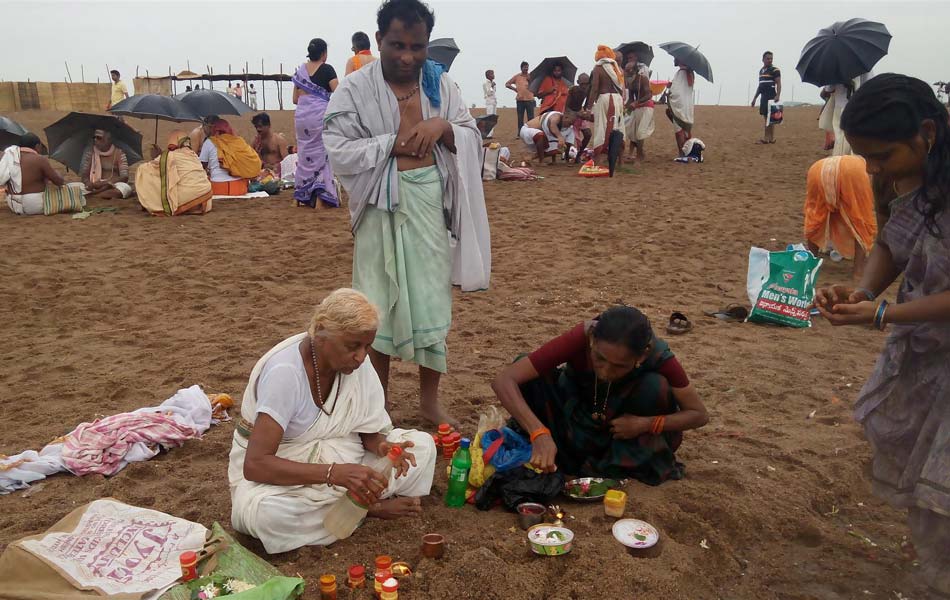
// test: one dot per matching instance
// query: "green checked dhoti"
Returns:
(403, 263)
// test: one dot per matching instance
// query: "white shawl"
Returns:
(361, 124)
(681, 97)
(10, 170)
(330, 439)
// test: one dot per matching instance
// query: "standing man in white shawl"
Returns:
(408, 152)
(680, 109)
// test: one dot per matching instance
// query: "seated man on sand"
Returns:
(270, 146)
(312, 418)
(105, 168)
(174, 182)
(616, 408)
(551, 134)
(839, 209)
(26, 173)
(229, 159)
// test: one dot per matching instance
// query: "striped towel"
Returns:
(103, 445)
(63, 199)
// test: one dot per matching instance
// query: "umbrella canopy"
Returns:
(690, 57)
(485, 124)
(541, 71)
(10, 132)
(843, 51)
(155, 106)
(71, 136)
(205, 103)
(443, 50)
(644, 51)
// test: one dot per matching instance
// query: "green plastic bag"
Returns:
(237, 562)
(781, 286)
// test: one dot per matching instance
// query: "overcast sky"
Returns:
(497, 35)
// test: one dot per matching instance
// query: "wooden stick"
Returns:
(67, 71)
(82, 71)
(263, 93)
(280, 87)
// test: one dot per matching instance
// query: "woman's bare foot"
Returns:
(396, 508)
(437, 415)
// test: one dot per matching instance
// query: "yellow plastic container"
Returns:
(615, 502)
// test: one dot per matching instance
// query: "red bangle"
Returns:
(658, 423)
(539, 432)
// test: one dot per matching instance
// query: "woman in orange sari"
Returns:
(839, 209)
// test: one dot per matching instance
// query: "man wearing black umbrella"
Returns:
(770, 88)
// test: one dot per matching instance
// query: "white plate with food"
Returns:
(634, 533)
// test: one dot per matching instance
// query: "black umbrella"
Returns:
(205, 103)
(155, 106)
(71, 136)
(643, 50)
(485, 124)
(843, 51)
(10, 132)
(443, 50)
(690, 57)
(541, 71)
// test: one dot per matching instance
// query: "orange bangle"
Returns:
(539, 432)
(658, 423)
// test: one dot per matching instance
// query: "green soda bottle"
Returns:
(458, 476)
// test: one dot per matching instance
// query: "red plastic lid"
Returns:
(383, 562)
(188, 557)
(455, 437)
(357, 572)
(383, 575)
(390, 585)
(445, 428)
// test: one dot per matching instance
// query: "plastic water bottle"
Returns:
(347, 514)
(458, 475)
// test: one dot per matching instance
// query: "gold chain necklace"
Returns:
(601, 415)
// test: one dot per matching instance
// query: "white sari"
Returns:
(288, 517)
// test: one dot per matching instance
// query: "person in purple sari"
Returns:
(900, 128)
(314, 81)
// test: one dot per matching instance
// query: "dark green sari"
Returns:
(565, 403)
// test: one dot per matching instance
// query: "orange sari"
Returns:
(839, 205)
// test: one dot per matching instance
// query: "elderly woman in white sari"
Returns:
(312, 418)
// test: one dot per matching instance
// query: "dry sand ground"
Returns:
(119, 311)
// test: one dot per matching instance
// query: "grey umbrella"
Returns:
(643, 50)
(71, 136)
(690, 57)
(443, 50)
(544, 69)
(843, 51)
(155, 106)
(205, 103)
(10, 132)
(485, 123)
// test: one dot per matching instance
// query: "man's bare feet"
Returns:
(396, 508)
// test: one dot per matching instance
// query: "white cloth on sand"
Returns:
(681, 99)
(288, 517)
(361, 124)
(190, 406)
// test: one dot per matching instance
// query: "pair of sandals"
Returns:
(680, 323)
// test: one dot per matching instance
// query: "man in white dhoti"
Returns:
(312, 418)
(680, 104)
(26, 174)
(407, 150)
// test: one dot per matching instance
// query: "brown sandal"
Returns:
(679, 324)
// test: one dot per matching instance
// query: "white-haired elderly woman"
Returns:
(312, 417)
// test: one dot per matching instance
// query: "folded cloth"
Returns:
(26, 204)
(68, 198)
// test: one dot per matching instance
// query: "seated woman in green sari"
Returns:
(616, 408)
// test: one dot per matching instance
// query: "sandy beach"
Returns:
(119, 311)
